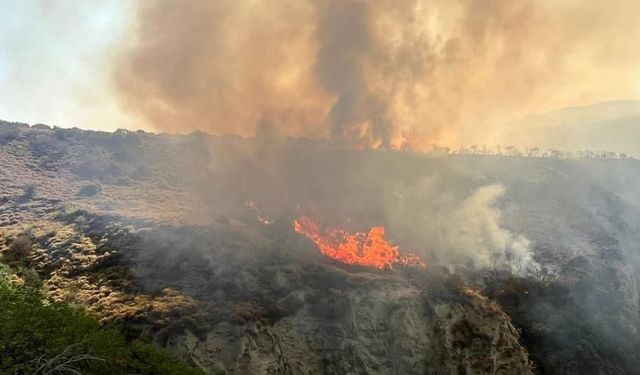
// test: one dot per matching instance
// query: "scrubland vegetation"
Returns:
(38, 336)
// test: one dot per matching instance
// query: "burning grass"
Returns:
(359, 248)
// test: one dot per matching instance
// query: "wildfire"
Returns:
(252, 206)
(360, 248)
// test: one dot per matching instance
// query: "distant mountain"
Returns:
(608, 126)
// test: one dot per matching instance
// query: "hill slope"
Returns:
(167, 234)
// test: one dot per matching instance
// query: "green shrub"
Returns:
(5, 274)
(35, 332)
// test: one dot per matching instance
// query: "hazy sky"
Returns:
(55, 61)
(383, 72)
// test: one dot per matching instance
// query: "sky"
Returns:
(55, 62)
(384, 73)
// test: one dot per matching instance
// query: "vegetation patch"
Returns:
(90, 190)
(38, 336)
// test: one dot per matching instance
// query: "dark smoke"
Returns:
(345, 46)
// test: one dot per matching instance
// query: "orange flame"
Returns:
(360, 248)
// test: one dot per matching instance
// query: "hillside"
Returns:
(531, 263)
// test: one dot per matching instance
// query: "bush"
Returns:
(5, 274)
(29, 192)
(8, 134)
(35, 332)
(19, 249)
(45, 145)
(95, 166)
(90, 190)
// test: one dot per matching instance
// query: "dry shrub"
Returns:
(18, 250)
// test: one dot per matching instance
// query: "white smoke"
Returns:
(475, 234)
(467, 231)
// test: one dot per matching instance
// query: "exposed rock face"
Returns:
(374, 327)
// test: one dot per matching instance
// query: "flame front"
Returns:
(360, 248)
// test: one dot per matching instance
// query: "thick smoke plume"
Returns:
(401, 73)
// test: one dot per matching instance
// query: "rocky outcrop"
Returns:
(375, 327)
